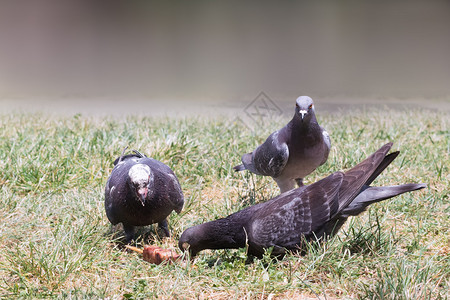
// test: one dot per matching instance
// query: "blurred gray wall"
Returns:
(220, 50)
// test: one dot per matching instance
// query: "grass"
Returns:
(56, 242)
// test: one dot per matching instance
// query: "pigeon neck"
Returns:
(220, 234)
(304, 125)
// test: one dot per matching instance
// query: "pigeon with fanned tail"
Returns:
(311, 212)
(293, 152)
(141, 191)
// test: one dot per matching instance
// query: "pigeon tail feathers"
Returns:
(375, 194)
(124, 157)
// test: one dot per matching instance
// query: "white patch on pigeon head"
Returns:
(139, 175)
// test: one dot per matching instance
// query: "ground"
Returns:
(56, 241)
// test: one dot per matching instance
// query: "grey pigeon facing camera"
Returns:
(141, 191)
(306, 213)
(293, 152)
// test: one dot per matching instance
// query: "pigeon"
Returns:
(292, 152)
(310, 212)
(141, 191)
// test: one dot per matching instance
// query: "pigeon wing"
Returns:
(271, 157)
(327, 142)
(116, 189)
(284, 221)
(355, 178)
(166, 183)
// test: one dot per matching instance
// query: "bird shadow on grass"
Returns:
(365, 240)
(235, 257)
(369, 238)
(144, 235)
(228, 257)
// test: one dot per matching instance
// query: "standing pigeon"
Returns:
(308, 212)
(141, 191)
(292, 152)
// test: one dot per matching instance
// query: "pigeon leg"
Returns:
(285, 184)
(299, 181)
(165, 227)
(129, 233)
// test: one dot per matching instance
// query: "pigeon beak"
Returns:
(303, 112)
(185, 246)
(142, 193)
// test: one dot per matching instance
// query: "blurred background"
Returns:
(161, 56)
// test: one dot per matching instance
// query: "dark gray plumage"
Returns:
(292, 152)
(308, 212)
(141, 191)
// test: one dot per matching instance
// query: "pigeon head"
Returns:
(218, 234)
(304, 108)
(139, 181)
(190, 240)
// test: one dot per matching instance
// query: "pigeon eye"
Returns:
(310, 106)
